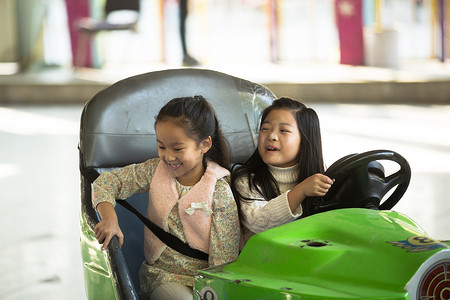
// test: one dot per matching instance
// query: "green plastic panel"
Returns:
(341, 254)
(99, 282)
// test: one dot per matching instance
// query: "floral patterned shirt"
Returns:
(171, 265)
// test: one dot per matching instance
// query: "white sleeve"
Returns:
(259, 215)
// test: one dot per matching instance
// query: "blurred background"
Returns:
(376, 72)
(48, 33)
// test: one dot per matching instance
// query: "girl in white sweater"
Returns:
(284, 170)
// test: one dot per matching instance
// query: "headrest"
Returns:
(117, 124)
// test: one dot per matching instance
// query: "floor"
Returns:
(40, 253)
(39, 179)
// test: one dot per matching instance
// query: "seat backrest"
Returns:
(117, 125)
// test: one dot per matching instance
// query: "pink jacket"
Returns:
(194, 208)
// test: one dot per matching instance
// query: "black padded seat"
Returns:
(118, 123)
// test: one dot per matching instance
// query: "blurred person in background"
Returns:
(188, 60)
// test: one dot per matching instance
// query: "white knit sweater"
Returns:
(260, 215)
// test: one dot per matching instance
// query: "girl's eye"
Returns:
(264, 129)
(284, 130)
(179, 149)
(161, 147)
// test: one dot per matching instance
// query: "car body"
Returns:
(350, 253)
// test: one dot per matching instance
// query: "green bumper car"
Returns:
(336, 251)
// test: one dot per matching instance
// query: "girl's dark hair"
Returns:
(199, 119)
(310, 154)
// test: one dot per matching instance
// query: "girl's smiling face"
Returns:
(181, 154)
(279, 139)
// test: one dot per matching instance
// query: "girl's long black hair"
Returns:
(310, 155)
(199, 119)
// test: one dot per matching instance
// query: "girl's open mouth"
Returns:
(174, 166)
(271, 149)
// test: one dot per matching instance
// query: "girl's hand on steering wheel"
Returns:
(316, 185)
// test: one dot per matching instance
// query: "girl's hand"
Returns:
(108, 226)
(316, 185)
(105, 230)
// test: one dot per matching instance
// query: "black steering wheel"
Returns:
(360, 182)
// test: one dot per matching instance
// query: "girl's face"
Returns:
(279, 139)
(181, 154)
